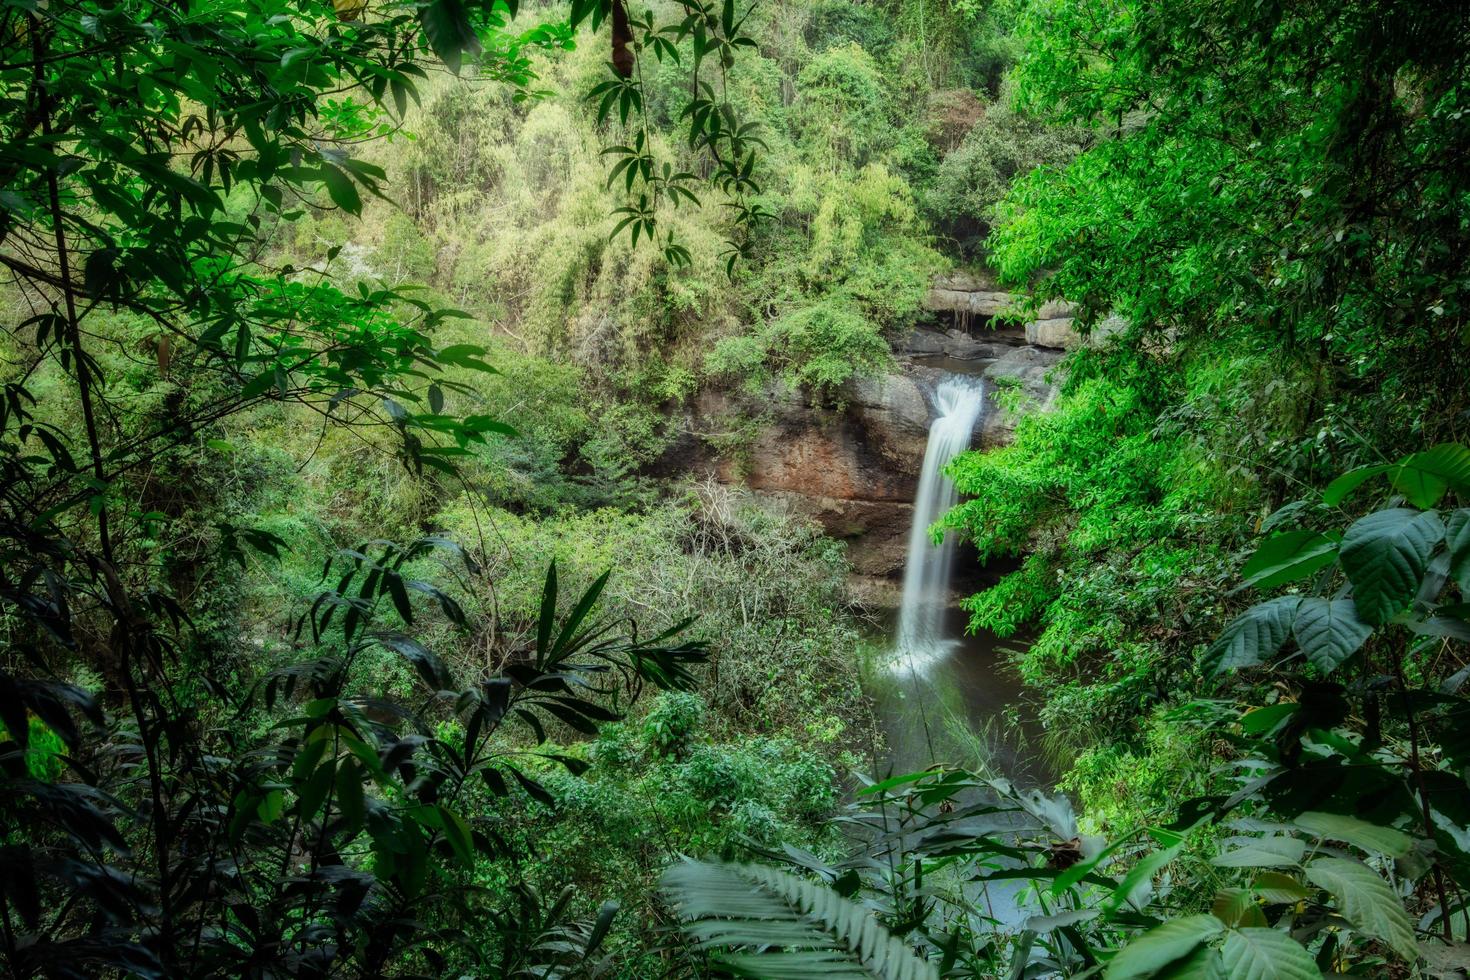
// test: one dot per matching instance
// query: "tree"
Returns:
(1290, 172)
(150, 151)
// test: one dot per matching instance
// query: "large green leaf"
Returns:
(1338, 490)
(1161, 946)
(1329, 631)
(803, 929)
(447, 26)
(1289, 557)
(1457, 540)
(1359, 833)
(1266, 954)
(1278, 888)
(1203, 964)
(1264, 852)
(1385, 555)
(1255, 634)
(1425, 477)
(1366, 901)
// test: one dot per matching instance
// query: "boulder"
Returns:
(962, 302)
(923, 341)
(1032, 369)
(981, 345)
(965, 281)
(894, 413)
(1057, 333)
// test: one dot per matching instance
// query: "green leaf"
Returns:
(1237, 907)
(1050, 923)
(1385, 555)
(1329, 631)
(1266, 954)
(1338, 490)
(546, 621)
(568, 634)
(350, 796)
(313, 792)
(447, 27)
(1265, 852)
(1359, 833)
(271, 806)
(1203, 964)
(1140, 876)
(1424, 477)
(1161, 946)
(1367, 901)
(803, 928)
(457, 832)
(1289, 557)
(423, 660)
(1278, 888)
(1258, 721)
(1255, 634)
(1457, 540)
(342, 189)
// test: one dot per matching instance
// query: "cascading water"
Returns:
(926, 573)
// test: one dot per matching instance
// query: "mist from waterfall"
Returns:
(927, 568)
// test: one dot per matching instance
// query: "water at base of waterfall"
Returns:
(922, 639)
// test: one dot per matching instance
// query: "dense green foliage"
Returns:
(362, 614)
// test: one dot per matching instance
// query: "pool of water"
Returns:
(962, 706)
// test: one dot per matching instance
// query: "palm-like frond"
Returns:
(786, 928)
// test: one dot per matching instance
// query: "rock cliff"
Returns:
(855, 468)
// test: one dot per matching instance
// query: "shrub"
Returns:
(676, 717)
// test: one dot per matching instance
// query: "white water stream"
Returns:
(926, 574)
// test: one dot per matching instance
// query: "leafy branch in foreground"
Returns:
(819, 933)
(340, 835)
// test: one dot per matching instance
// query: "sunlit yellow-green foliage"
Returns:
(503, 208)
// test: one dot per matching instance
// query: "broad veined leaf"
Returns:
(1266, 954)
(1237, 907)
(1329, 631)
(1338, 490)
(1278, 888)
(1047, 923)
(1289, 557)
(447, 27)
(1366, 901)
(1359, 833)
(1385, 555)
(1255, 634)
(1424, 477)
(1258, 721)
(1457, 541)
(1204, 963)
(1264, 852)
(1161, 946)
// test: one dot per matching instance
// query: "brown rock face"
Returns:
(855, 469)
(835, 458)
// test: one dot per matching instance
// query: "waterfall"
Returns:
(927, 568)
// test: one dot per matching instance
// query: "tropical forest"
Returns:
(641, 489)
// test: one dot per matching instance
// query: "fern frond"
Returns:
(787, 928)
